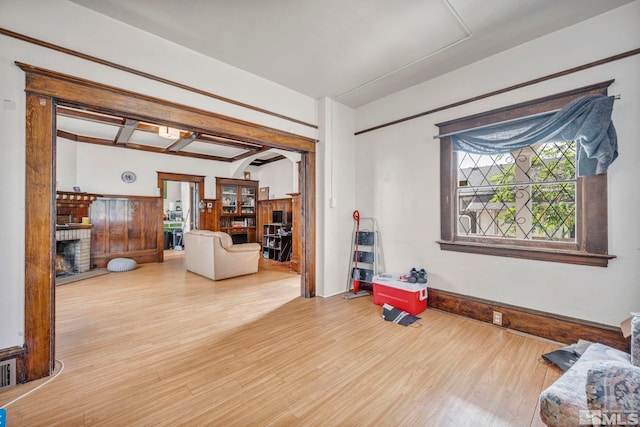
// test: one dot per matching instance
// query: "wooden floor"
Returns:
(160, 346)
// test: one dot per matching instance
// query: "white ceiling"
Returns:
(355, 51)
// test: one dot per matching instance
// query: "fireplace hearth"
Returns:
(65, 262)
(73, 249)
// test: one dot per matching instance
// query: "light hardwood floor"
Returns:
(160, 346)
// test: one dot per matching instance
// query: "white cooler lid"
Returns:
(393, 280)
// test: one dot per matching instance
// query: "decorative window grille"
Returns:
(527, 195)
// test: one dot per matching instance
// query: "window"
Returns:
(526, 203)
(529, 194)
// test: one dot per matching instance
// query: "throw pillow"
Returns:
(614, 389)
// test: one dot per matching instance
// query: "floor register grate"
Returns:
(7, 373)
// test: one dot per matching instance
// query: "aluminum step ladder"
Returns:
(363, 265)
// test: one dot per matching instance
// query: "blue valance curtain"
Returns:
(586, 120)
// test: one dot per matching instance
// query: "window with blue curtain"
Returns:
(522, 186)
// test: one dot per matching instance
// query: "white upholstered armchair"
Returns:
(212, 254)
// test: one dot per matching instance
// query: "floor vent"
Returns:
(7, 373)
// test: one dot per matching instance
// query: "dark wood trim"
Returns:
(18, 354)
(182, 177)
(563, 329)
(531, 253)
(594, 213)
(72, 91)
(40, 195)
(522, 109)
(234, 181)
(40, 210)
(143, 256)
(90, 58)
(447, 206)
(262, 162)
(251, 146)
(508, 89)
(308, 232)
(590, 247)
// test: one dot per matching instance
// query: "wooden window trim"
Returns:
(591, 246)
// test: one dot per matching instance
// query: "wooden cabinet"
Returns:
(276, 242)
(238, 198)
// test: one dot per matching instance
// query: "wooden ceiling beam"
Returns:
(106, 142)
(231, 143)
(183, 142)
(271, 160)
(124, 134)
(249, 154)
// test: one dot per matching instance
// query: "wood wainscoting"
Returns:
(126, 226)
(558, 328)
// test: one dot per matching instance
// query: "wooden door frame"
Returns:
(180, 177)
(45, 90)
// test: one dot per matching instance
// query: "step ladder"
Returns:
(364, 257)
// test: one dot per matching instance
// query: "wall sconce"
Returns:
(169, 133)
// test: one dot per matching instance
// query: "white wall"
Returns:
(69, 25)
(278, 176)
(398, 173)
(99, 169)
(335, 179)
(66, 154)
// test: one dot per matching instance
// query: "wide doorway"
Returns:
(45, 92)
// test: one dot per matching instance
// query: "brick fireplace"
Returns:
(73, 249)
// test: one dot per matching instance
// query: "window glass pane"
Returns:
(529, 194)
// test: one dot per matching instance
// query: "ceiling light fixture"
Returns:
(169, 133)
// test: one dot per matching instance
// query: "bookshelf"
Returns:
(276, 242)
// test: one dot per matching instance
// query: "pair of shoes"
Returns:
(417, 276)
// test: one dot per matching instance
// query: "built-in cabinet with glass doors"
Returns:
(238, 198)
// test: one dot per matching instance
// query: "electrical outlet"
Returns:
(497, 318)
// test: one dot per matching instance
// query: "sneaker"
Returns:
(422, 276)
(413, 276)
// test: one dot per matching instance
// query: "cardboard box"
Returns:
(263, 193)
(626, 326)
(409, 297)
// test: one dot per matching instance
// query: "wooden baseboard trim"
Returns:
(18, 354)
(546, 325)
(100, 260)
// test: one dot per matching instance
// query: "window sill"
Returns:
(538, 254)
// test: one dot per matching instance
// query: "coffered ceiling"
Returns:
(116, 131)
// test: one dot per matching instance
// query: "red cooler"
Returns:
(409, 297)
